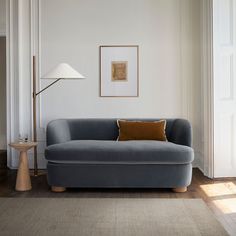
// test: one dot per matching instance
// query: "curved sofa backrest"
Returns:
(62, 130)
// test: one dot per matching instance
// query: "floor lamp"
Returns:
(61, 71)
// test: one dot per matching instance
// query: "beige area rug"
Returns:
(107, 217)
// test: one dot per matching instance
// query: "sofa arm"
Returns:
(181, 133)
(58, 131)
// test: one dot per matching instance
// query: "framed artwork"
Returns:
(119, 71)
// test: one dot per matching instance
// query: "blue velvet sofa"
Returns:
(84, 153)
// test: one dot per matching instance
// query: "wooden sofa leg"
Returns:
(180, 190)
(58, 189)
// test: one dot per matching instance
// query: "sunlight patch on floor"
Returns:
(227, 206)
(219, 189)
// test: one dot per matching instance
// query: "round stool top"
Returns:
(23, 146)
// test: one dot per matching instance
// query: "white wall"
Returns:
(191, 71)
(196, 86)
(167, 32)
(73, 34)
(2, 17)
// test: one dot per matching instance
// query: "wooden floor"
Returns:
(219, 195)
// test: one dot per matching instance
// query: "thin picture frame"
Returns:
(135, 79)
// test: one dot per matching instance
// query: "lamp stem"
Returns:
(35, 120)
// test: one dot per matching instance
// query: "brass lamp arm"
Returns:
(36, 94)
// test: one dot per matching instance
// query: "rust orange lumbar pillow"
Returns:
(141, 130)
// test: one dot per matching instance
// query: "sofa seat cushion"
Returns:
(120, 152)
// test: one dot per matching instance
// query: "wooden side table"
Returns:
(23, 182)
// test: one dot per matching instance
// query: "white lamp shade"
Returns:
(63, 71)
